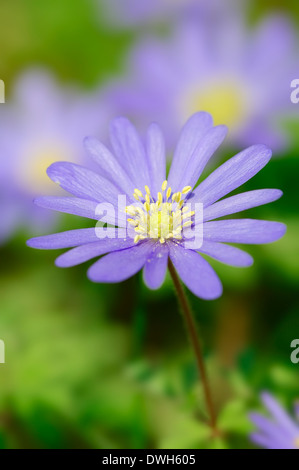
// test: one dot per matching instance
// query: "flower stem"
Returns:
(191, 327)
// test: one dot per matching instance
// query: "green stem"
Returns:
(191, 327)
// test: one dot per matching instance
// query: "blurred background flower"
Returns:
(134, 13)
(279, 432)
(71, 346)
(40, 124)
(239, 74)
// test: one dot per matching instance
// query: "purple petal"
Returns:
(201, 155)
(271, 429)
(243, 231)
(195, 272)
(120, 265)
(109, 166)
(64, 239)
(241, 202)
(155, 147)
(265, 441)
(226, 254)
(155, 267)
(193, 131)
(279, 414)
(232, 174)
(70, 205)
(83, 208)
(130, 151)
(83, 182)
(84, 253)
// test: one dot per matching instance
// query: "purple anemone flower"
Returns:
(239, 75)
(278, 432)
(39, 124)
(159, 219)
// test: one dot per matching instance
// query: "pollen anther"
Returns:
(164, 185)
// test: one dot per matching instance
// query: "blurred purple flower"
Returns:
(241, 76)
(279, 432)
(133, 168)
(132, 13)
(40, 124)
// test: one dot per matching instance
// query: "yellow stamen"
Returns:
(138, 192)
(188, 223)
(178, 197)
(186, 215)
(130, 210)
(186, 189)
(132, 222)
(164, 185)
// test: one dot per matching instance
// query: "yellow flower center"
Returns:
(296, 443)
(226, 102)
(31, 174)
(161, 218)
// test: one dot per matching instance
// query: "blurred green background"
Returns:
(109, 366)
